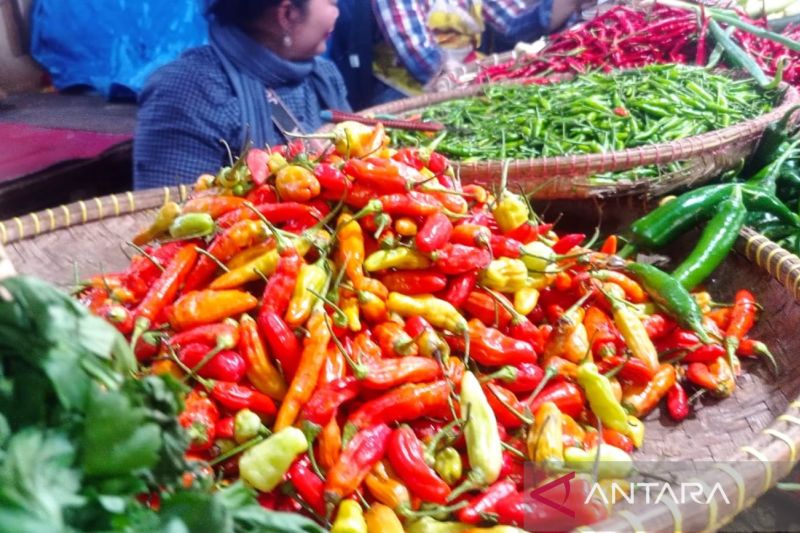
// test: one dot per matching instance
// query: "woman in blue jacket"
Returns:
(260, 74)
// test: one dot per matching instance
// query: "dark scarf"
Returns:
(252, 68)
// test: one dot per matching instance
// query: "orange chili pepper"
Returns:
(365, 349)
(351, 255)
(633, 291)
(215, 206)
(609, 246)
(164, 290)
(372, 307)
(260, 371)
(205, 307)
(572, 433)
(721, 316)
(335, 366)
(296, 184)
(641, 400)
(330, 444)
(386, 487)
(315, 348)
(394, 341)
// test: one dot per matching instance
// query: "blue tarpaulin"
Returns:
(112, 45)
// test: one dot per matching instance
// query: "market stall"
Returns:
(394, 330)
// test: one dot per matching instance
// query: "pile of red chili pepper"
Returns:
(371, 343)
(626, 37)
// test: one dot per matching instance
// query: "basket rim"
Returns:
(778, 443)
(577, 166)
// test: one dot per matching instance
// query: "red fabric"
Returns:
(27, 149)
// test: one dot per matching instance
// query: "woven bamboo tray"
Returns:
(567, 177)
(759, 424)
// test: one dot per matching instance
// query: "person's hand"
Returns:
(446, 80)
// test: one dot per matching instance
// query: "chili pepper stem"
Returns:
(311, 431)
(238, 449)
(445, 434)
(142, 324)
(513, 451)
(211, 256)
(474, 481)
(627, 250)
(359, 369)
(506, 373)
(340, 318)
(147, 256)
(549, 373)
(513, 411)
(280, 242)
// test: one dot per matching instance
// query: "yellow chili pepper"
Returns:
(261, 372)
(525, 300)
(264, 465)
(510, 211)
(264, 265)
(431, 525)
(275, 162)
(164, 219)
(402, 258)
(602, 400)
(349, 518)
(545, 437)
(405, 226)
(350, 308)
(505, 275)
(636, 432)
(577, 345)
(613, 462)
(484, 447)
(448, 465)
(631, 327)
(381, 519)
(310, 278)
(247, 255)
(439, 313)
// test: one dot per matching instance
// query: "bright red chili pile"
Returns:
(624, 37)
(426, 338)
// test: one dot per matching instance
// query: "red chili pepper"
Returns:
(526, 378)
(224, 428)
(523, 329)
(325, 401)
(416, 326)
(235, 397)
(437, 163)
(165, 288)
(460, 288)
(215, 206)
(383, 176)
(434, 233)
(308, 484)
(414, 282)
(334, 185)
(522, 510)
(488, 346)
(615, 438)
(407, 457)
(482, 306)
(280, 285)
(226, 365)
(705, 353)
(482, 218)
(276, 213)
(263, 194)
(657, 325)
(507, 408)
(631, 369)
(410, 157)
(282, 341)
(567, 396)
(677, 403)
(199, 417)
(406, 402)
(568, 242)
(700, 375)
(411, 204)
(387, 373)
(485, 502)
(143, 272)
(357, 459)
(455, 259)
(210, 335)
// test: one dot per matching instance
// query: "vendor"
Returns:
(260, 75)
(425, 39)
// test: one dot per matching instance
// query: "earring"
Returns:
(287, 41)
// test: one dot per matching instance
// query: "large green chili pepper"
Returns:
(772, 143)
(670, 220)
(671, 296)
(715, 242)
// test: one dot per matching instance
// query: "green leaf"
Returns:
(117, 438)
(37, 482)
(198, 511)
(248, 515)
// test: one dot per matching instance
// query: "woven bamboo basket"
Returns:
(568, 177)
(759, 425)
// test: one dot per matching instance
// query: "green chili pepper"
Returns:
(192, 225)
(773, 140)
(264, 465)
(601, 397)
(448, 465)
(715, 242)
(670, 296)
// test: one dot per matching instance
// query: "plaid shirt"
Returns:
(403, 25)
(188, 105)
